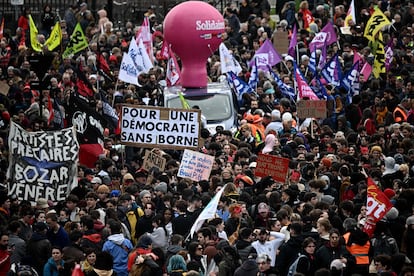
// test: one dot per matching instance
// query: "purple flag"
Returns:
(293, 42)
(266, 55)
(326, 35)
(389, 53)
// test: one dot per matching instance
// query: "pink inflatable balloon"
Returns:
(194, 31)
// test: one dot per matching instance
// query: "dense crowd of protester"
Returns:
(123, 220)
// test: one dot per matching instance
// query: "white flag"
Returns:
(208, 212)
(139, 56)
(128, 72)
(173, 71)
(227, 61)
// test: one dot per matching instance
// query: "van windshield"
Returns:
(215, 107)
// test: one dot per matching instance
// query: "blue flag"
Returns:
(332, 71)
(254, 76)
(286, 90)
(312, 62)
(351, 81)
(239, 86)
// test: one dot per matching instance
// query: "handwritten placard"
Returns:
(311, 109)
(271, 165)
(152, 159)
(195, 165)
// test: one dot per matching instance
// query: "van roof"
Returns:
(212, 88)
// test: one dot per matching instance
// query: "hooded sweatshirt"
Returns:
(248, 268)
(119, 248)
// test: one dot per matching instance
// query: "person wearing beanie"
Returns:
(107, 167)
(161, 190)
(358, 244)
(39, 247)
(144, 247)
(375, 156)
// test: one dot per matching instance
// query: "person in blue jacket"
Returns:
(55, 263)
(119, 247)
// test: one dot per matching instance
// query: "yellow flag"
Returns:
(55, 37)
(184, 102)
(375, 23)
(36, 46)
(77, 42)
(379, 61)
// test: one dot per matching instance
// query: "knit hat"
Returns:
(410, 220)
(337, 264)
(376, 148)
(245, 179)
(96, 180)
(143, 193)
(328, 199)
(39, 226)
(144, 242)
(326, 162)
(390, 193)
(161, 187)
(41, 203)
(392, 214)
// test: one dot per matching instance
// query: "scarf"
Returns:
(380, 118)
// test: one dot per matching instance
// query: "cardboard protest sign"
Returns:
(160, 127)
(195, 165)
(42, 164)
(152, 159)
(281, 41)
(271, 165)
(311, 109)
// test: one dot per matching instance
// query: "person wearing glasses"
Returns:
(263, 261)
(332, 250)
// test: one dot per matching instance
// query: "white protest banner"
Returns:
(195, 165)
(42, 164)
(160, 127)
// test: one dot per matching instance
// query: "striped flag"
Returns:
(350, 15)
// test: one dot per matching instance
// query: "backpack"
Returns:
(293, 267)
(385, 245)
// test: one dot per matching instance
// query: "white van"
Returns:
(216, 102)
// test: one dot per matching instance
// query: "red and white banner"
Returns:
(378, 206)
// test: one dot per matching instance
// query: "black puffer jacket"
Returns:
(288, 254)
(39, 248)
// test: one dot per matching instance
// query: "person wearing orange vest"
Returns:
(400, 113)
(358, 244)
